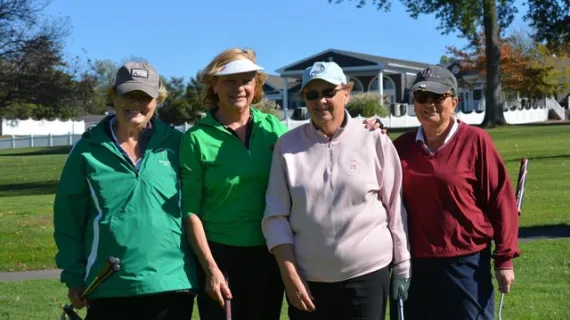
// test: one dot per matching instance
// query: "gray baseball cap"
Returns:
(326, 71)
(137, 76)
(435, 79)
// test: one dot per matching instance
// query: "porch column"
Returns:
(285, 99)
(381, 84)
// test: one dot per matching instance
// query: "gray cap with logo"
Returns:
(139, 76)
(435, 79)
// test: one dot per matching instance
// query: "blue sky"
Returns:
(181, 37)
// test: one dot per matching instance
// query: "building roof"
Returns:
(363, 59)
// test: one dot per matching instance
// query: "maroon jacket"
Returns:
(459, 198)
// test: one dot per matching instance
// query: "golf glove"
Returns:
(400, 288)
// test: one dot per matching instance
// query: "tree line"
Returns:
(37, 80)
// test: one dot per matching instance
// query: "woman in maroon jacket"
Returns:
(459, 199)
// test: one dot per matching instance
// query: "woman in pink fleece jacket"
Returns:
(333, 216)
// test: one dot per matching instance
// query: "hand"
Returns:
(298, 292)
(373, 124)
(400, 288)
(74, 295)
(505, 279)
(217, 287)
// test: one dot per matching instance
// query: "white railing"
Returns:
(553, 105)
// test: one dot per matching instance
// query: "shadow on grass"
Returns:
(545, 232)
(558, 156)
(30, 188)
(38, 152)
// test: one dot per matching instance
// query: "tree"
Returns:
(33, 73)
(530, 69)
(466, 17)
(184, 102)
(551, 20)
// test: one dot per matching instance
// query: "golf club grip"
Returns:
(523, 170)
(227, 302)
(68, 310)
(109, 268)
(228, 309)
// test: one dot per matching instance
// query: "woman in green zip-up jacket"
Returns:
(225, 161)
(119, 195)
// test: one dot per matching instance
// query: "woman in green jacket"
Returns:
(119, 195)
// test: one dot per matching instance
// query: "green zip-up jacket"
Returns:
(105, 207)
(223, 182)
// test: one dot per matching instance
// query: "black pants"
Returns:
(451, 288)
(164, 306)
(254, 280)
(362, 298)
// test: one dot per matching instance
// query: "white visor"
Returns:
(238, 66)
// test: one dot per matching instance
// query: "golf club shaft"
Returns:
(110, 268)
(400, 308)
(501, 306)
(523, 170)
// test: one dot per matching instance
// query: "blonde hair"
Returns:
(208, 78)
(108, 92)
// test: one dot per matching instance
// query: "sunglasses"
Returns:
(426, 96)
(327, 93)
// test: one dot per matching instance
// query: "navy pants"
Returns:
(458, 288)
(360, 298)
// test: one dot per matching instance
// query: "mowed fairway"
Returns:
(29, 179)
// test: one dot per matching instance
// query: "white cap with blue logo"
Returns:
(326, 71)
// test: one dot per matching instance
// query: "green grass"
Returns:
(540, 292)
(27, 185)
(29, 179)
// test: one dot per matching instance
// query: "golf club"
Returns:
(523, 170)
(228, 303)
(400, 308)
(112, 266)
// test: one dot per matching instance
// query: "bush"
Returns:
(366, 104)
(268, 106)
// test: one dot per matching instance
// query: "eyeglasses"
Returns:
(426, 96)
(327, 93)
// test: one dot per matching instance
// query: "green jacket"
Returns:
(105, 207)
(224, 183)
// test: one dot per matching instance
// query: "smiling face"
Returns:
(434, 110)
(134, 109)
(236, 90)
(325, 101)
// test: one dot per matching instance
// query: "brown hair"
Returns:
(208, 78)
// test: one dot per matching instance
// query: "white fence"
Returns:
(40, 127)
(407, 120)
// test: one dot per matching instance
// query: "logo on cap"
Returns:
(141, 73)
(317, 68)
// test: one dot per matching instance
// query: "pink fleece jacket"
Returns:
(338, 201)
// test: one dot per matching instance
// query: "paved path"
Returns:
(526, 234)
(30, 275)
